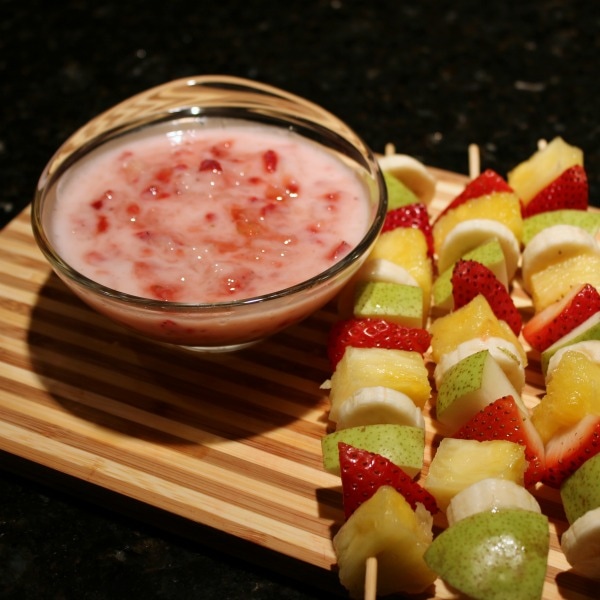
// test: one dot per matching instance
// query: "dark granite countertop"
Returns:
(430, 77)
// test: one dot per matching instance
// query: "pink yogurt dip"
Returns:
(209, 213)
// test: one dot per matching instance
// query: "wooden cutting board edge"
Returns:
(27, 286)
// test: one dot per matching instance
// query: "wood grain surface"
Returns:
(228, 441)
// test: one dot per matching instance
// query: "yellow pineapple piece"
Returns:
(459, 463)
(385, 527)
(555, 281)
(359, 368)
(407, 247)
(543, 167)
(503, 207)
(571, 394)
(474, 320)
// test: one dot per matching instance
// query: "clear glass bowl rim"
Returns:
(204, 96)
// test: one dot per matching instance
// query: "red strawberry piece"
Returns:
(568, 190)
(486, 183)
(558, 319)
(471, 278)
(504, 420)
(374, 333)
(363, 473)
(411, 215)
(568, 450)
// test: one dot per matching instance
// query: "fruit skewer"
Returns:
(372, 578)
(581, 442)
(384, 367)
(478, 472)
(370, 583)
(565, 332)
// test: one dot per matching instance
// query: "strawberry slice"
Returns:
(471, 278)
(364, 472)
(371, 332)
(568, 190)
(567, 451)
(504, 420)
(411, 215)
(561, 317)
(486, 183)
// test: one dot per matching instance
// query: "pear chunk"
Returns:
(499, 555)
(580, 492)
(404, 445)
(396, 302)
(469, 386)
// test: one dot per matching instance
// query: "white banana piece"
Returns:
(553, 244)
(379, 405)
(381, 269)
(503, 351)
(490, 494)
(590, 348)
(469, 234)
(581, 544)
(412, 173)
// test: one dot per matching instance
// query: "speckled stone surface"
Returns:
(429, 76)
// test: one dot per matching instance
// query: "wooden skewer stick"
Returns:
(371, 578)
(474, 161)
(542, 143)
(389, 149)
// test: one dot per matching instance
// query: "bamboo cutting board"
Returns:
(227, 441)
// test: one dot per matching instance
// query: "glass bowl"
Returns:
(196, 104)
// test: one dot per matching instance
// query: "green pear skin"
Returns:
(590, 221)
(588, 330)
(404, 445)
(398, 194)
(395, 302)
(469, 386)
(580, 492)
(499, 555)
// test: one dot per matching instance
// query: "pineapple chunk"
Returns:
(407, 247)
(474, 320)
(503, 207)
(400, 370)
(571, 394)
(531, 176)
(385, 527)
(459, 463)
(555, 281)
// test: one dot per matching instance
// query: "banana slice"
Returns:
(469, 234)
(412, 173)
(590, 348)
(505, 354)
(554, 244)
(490, 495)
(381, 269)
(379, 405)
(581, 544)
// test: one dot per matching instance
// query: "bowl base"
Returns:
(219, 349)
